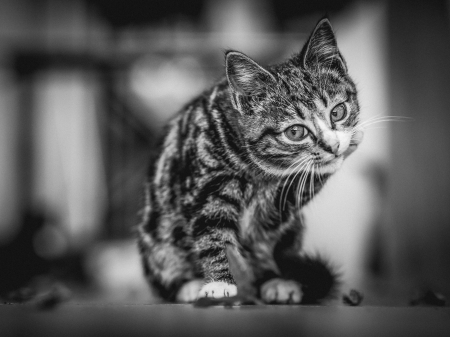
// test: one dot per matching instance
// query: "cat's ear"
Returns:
(245, 76)
(321, 49)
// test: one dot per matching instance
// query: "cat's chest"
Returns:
(260, 210)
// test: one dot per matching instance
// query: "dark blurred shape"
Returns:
(19, 263)
(376, 259)
(26, 277)
(51, 296)
(286, 10)
(428, 298)
(418, 200)
(122, 13)
(43, 293)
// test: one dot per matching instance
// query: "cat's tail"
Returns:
(319, 279)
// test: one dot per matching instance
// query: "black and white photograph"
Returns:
(224, 168)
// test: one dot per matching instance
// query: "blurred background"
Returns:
(86, 86)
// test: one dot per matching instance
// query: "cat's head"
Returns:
(300, 114)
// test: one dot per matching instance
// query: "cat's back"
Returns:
(200, 141)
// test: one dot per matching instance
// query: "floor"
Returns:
(72, 319)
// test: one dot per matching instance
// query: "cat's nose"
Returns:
(332, 147)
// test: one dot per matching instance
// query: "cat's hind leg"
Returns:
(316, 276)
(281, 291)
(167, 265)
(284, 274)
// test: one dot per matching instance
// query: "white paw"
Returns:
(218, 290)
(281, 291)
(188, 292)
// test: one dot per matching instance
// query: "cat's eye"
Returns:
(338, 113)
(296, 132)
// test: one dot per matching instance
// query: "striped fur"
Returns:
(229, 174)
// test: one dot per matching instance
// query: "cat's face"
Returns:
(299, 115)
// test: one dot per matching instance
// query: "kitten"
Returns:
(236, 167)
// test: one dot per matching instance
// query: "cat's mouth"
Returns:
(330, 166)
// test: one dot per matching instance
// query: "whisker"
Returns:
(302, 185)
(308, 175)
(312, 184)
(373, 128)
(302, 173)
(381, 119)
(298, 163)
(299, 168)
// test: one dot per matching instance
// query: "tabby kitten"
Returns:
(237, 166)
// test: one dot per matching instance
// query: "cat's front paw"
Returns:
(218, 290)
(188, 292)
(281, 291)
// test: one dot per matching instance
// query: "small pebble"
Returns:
(354, 298)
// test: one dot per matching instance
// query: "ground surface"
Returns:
(185, 320)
